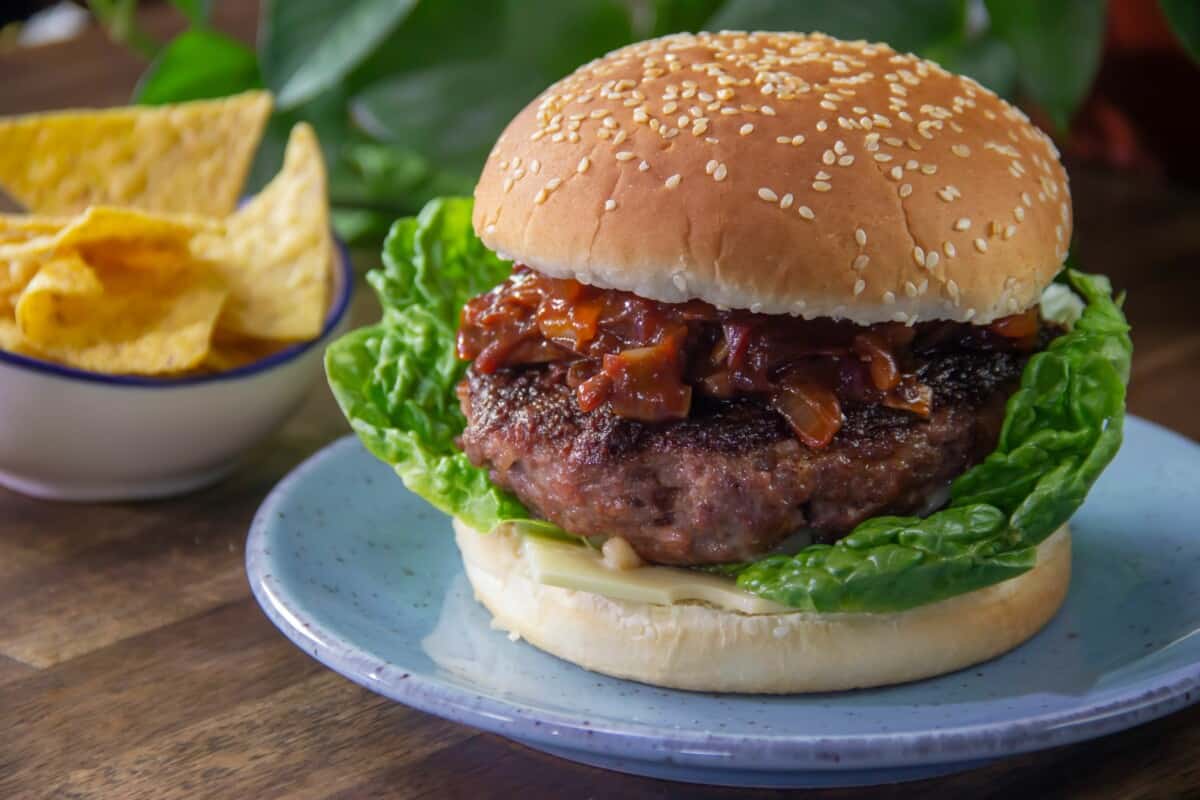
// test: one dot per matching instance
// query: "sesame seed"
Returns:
(911, 164)
(553, 184)
(828, 157)
(699, 126)
(860, 261)
(919, 255)
(786, 201)
(882, 157)
(783, 139)
(897, 173)
(540, 197)
(910, 288)
(859, 285)
(962, 224)
(806, 212)
(860, 236)
(516, 162)
(945, 194)
(960, 150)
(931, 259)
(797, 140)
(535, 166)
(767, 194)
(770, 112)
(1010, 231)
(889, 297)
(610, 204)
(826, 104)
(928, 169)
(508, 184)
(949, 250)
(981, 245)
(710, 166)
(845, 161)
(905, 189)
(720, 172)
(1019, 213)
(970, 315)
(822, 125)
(821, 186)
(952, 287)
(624, 155)
(822, 176)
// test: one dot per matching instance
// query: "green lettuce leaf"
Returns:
(1061, 429)
(395, 383)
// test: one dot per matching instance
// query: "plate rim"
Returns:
(1138, 702)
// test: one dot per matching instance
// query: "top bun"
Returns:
(782, 173)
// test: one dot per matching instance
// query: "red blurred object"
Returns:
(1144, 90)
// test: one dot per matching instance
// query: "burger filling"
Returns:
(701, 435)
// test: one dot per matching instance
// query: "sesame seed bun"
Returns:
(700, 647)
(782, 173)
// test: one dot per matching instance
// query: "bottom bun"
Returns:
(703, 648)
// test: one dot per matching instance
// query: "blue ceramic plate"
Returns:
(365, 577)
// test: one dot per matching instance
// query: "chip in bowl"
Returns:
(276, 252)
(156, 273)
(185, 158)
(118, 320)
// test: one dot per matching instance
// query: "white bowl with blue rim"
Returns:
(70, 434)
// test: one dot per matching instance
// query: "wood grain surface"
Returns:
(134, 663)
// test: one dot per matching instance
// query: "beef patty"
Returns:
(731, 481)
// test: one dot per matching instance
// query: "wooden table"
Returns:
(134, 663)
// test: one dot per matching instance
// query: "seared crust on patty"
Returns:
(731, 481)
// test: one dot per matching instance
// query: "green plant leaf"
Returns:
(198, 64)
(1057, 44)
(450, 114)
(395, 382)
(308, 47)
(440, 32)
(554, 37)
(198, 12)
(988, 59)
(1184, 16)
(914, 25)
(673, 16)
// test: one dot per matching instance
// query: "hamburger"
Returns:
(752, 366)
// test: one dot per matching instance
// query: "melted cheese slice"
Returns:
(581, 568)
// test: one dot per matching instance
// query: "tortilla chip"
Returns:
(10, 335)
(105, 229)
(15, 275)
(16, 228)
(120, 321)
(185, 158)
(277, 251)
